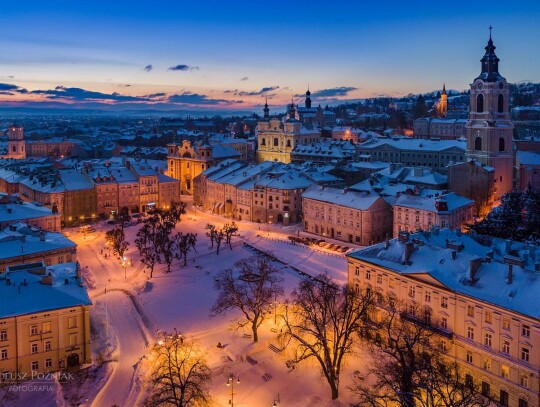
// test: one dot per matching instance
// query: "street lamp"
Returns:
(275, 309)
(124, 264)
(230, 382)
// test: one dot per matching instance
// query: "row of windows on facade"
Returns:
(46, 327)
(480, 103)
(276, 142)
(488, 315)
(503, 395)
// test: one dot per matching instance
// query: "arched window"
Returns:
(500, 104)
(276, 142)
(478, 144)
(501, 144)
(480, 103)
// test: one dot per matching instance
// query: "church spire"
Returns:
(490, 62)
(308, 98)
(444, 89)
(266, 110)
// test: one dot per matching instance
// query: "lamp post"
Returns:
(230, 382)
(124, 264)
(275, 309)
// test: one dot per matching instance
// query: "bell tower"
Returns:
(489, 128)
(16, 143)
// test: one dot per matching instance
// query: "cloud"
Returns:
(333, 92)
(260, 92)
(148, 68)
(155, 95)
(245, 78)
(230, 91)
(79, 94)
(8, 86)
(183, 67)
(198, 99)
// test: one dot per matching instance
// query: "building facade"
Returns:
(413, 213)
(46, 326)
(16, 143)
(349, 216)
(481, 303)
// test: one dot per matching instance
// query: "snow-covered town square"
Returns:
(269, 204)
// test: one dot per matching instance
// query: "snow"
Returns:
(491, 279)
(137, 309)
(23, 241)
(25, 294)
(341, 197)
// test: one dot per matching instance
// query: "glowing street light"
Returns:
(124, 264)
(230, 382)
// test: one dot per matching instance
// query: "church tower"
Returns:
(308, 99)
(266, 110)
(489, 127)
(16, 143)
(442, 107)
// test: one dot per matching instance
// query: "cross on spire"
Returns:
(490, 28)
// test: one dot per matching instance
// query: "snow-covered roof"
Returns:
(15, 209)
(453, 200)
(528, 157)
(432, 257)
(407, 143)
(73, 180)
(25, 293)
(341, 197)
(28, 240)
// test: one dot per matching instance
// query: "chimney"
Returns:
(42, 236)
(47, 279)
(386, 243)
(474, 265)
(403, 236)
(78, 271)
(409, 248)
(509, 277)
(458, 230)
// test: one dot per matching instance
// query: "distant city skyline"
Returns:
(215, 55)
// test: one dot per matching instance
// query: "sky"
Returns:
(232, 55)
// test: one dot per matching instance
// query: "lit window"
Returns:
(487, 364)
(444, 302)
(488, 318)
(46, 327)
(506, 324)
(488, 339)
(469, 357)
(470, 332)
(505, 371)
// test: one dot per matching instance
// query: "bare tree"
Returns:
(211, 233)
(117, 240)
(145, 242)
(165, 245)
(229, 229)
(185, 243)
(180, 376)
(219, 236)
(251, 288)
(322, 322)
(409, 363)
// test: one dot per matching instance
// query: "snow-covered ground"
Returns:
(131, 310)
